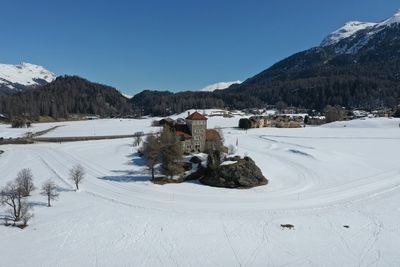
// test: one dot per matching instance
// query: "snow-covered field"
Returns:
(105, 127)
(321, 178)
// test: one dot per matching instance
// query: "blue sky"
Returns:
(170, 45)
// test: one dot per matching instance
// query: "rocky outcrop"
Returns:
(235, 173)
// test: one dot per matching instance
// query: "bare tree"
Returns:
(49, 189)
(77, 174)
(11, 196)
(170, 153)
(25, 182)
(137, 139)
(26, 213)
(151, 151)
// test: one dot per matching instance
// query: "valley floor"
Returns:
(321, 179)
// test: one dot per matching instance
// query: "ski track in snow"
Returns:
(331, 182)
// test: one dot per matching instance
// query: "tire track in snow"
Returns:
(230, 243)
(49, 167)
(378, 226)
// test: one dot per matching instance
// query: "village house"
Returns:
(278, 121)
(194, 135)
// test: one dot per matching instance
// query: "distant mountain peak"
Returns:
(23, 76)
(349, 29)
(219, 86)
(356, 35)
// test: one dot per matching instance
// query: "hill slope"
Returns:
(358, 67)
(64, 96)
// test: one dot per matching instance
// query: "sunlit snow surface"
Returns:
(320, 179)
(24, 74)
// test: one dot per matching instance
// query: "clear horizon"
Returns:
(171, 46)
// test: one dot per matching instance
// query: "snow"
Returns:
(228, 162)
(103, 127)
(7, 132)
(24, 74)
(219, 86)
(352, 27)
(349, 29)
(384, 123)
(392, 20)
(320, 179)
(127, 95)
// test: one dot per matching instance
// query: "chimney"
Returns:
(188, 113)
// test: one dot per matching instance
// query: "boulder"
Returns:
(162, 180)
(187, 166)
(196, 175)
(195, 160)
(243, 173)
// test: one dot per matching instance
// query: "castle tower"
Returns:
(197, 125)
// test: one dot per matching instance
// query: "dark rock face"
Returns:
(242, 174)
(195, 160)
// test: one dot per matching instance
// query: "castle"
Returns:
(194, 135)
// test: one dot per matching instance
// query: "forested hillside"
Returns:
(65, 96)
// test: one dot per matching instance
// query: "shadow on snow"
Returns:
(127, 177)
(136, 159)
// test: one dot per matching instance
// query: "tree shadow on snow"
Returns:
(63, 189)
(136, 159)
(37, 204)
(127, 177)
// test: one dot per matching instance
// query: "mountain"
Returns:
(219, 86)
(349, 29)
(355, 66)
(164, 103)
(65, 96)
(20, 77)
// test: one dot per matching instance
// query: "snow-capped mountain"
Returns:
(355, 35)
(19, 77)
(356, 66)
(346, 31)
(219, 86)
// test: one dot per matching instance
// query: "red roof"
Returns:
(212, 135)
(183, 135)
(195, 116)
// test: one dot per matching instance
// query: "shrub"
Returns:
(244, 123)
(18, 123)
